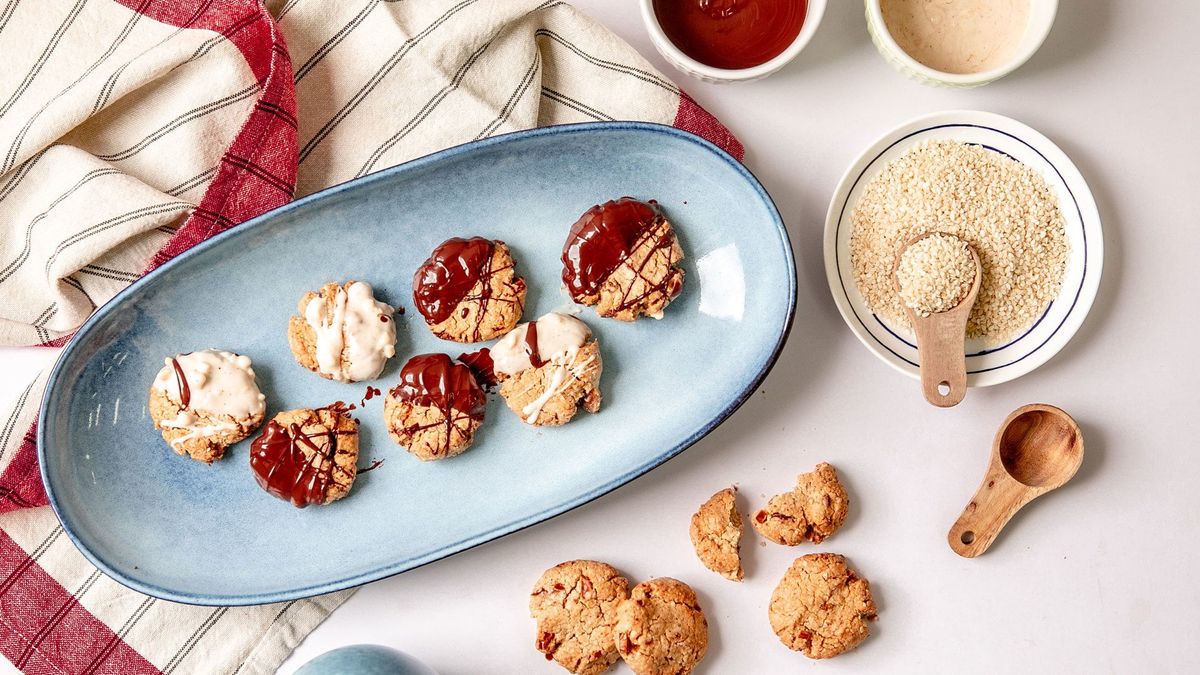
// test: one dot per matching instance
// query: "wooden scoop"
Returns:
(1037, 449)
(941, 338)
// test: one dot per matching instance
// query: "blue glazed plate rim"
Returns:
(752, 382)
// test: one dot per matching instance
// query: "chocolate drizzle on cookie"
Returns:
(602, 239)
(434, 380)
(481, 364)
(283, 468)
(185, 393)
(531, 346)
(446, 279)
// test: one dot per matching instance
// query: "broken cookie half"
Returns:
(812, 511)
(716, 533)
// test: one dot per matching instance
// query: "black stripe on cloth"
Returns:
(39, 324)
(100, 270)
(42, 58)
(102, 275)
(278, 111)
(218, 218)
(287, 7)
(334, 41)
(167, 230)
(578, 106)
(7, 13)
(74, 283)
(258, 171)
(22, 171)
(643, 75)
(511, 103)
(113, 641)
(33, 557)
(183, 119)
(11, 157)
(376, 78)
(110, 84)
(188, 646)
(274, 621)
(21, 661)
(11, 423)
(11, 268)
(192, 182)
(46, 315)
(425, 110)
(157, 209)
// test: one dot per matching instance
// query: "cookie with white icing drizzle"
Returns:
(343, 333)
(548, 368)
(205, 401)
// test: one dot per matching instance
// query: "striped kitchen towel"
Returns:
(130, 130)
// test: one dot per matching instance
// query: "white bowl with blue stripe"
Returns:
(986, 365)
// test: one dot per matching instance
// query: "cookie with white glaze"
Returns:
(548, 369)
(343, 333)
(205, 401)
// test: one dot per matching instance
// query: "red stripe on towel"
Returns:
(258, 171)
(46, 630)
(691, 117)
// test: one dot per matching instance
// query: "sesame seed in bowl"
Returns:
(1003, 188)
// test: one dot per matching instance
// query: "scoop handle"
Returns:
(998, 498)
(940, 350)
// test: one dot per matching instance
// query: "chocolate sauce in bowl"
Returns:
(283, 469)
(447, 277)
(601, 240)
(435, 380)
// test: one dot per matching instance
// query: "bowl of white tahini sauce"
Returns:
(959, 43)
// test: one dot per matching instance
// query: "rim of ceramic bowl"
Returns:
(1040, 32)
(1091, 230)
(813, 12)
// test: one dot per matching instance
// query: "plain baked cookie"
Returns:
(575, 605)
(821, 607)
(815, 509)
(716, 533)
(436, 408)
(307, 456)
(343, 333)
(623, 257)
(548, 368)
(661, 629)
(468, 290)
(203, 402)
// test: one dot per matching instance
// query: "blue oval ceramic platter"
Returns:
(177, 529)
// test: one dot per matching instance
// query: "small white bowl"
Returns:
(686, 64)
(986, 364)
(1041, 18)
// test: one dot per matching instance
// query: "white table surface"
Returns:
(1097, 577)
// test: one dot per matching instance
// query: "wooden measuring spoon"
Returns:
(1037, 449)
(941, 338)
